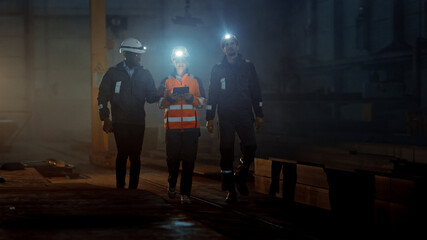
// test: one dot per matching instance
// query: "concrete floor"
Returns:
(89, 207)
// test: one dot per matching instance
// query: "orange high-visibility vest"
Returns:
(180, 114)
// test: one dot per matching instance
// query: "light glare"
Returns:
(179, 53)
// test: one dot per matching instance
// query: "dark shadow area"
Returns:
(83, 221)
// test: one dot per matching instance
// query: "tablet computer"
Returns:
(181, 90)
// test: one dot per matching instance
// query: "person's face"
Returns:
(133, 59)
(231, 48)
(180, 64)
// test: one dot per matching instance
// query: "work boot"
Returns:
(171, 192)
(185, 199)
(231, 197)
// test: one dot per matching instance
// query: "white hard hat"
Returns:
(132, 45)
(179, 53)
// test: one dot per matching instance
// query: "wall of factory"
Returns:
(49, 41)
(316, 62)
(15, 112)
(344, 79)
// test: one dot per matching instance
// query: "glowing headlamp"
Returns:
(179, 53)
(228, 37)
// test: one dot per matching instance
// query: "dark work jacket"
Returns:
(126, 95)
(235, 89)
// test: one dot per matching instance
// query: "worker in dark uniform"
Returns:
(183, 94)
(127, 86)
(234, 89)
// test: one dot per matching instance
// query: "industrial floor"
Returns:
(33, 206)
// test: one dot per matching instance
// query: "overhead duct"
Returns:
(187, 19)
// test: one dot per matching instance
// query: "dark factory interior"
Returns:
(334, 144)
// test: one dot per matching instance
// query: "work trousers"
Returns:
(181, 146)
(129, 139)
(245, 130)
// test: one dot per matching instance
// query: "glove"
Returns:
(188, 97)
(108, 125)
(210, 126)
(258, 123)
(173, 97)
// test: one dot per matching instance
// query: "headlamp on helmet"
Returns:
(179, 53)
(132, 45)
(228, 37)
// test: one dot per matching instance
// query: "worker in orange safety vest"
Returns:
(183, 95)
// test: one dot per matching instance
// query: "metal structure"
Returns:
(99, 154)
(187, 19)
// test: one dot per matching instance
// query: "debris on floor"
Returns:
(10, 166)
(54, 168)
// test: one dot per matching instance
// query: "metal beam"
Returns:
(98, 69)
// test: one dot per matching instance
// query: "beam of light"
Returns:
(179, 53)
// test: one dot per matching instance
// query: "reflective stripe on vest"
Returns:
(178, 119)
(178, 107)
(180, 114)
